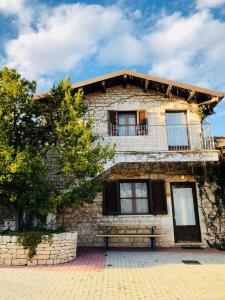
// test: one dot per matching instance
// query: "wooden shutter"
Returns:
(112, 121)
(143, 120)
(158, 197)
(110, 198)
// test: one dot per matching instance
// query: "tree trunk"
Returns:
(19, 219)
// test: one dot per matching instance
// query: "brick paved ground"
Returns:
(121, 275)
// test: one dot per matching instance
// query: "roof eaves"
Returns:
(142, 76)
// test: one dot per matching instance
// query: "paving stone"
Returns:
(135, 274)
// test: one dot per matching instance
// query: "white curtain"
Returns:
(177, 129)
(126, 204)
(124, 121)
(184, 206)
(141, 191)
(126, 193)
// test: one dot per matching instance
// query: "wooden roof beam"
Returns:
(124, 80)
(191, 96)
(212, 100)
(103, 86)
(146, 85)
(169, 91)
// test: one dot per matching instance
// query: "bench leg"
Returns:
(153, 239)
(106, 242)
(153, 243)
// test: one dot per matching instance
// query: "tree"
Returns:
(42, 142)
(74, 150)
(23, 185)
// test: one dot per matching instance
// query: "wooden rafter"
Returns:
(191, 96)
(169, 91)
(124, 80)
(103, 86)
(212, 100)
(146, 85)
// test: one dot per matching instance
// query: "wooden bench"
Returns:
(108, 227)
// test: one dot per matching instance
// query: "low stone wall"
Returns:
(61, 249)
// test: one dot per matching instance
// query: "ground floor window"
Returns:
(134, 197)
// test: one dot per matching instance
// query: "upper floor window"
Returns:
(177, 130)
(127, 123)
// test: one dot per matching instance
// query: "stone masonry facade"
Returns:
(60, 249)
(86, 219)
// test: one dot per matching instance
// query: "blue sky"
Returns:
(179, 40)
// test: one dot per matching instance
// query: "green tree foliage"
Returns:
(75, 151)
(42, 143)
(23, 183)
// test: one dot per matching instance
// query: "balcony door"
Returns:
(177, 130)
(127, 123)
(185, 212)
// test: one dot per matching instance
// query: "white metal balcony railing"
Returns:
(178, 137)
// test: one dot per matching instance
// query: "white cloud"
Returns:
(60, 39)
(189, 48)
(64, 37)
(19, 9)
(209, 3)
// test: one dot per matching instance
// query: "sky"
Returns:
(182, 40)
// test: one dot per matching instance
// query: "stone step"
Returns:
(190, 245)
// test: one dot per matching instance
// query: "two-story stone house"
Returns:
(160, 141)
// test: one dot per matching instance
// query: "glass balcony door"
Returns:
(177, 130)
(127, 123)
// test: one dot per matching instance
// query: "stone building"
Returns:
(160, 142)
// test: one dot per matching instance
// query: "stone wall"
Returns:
(155, 104)
(62, 248)
(86, 219)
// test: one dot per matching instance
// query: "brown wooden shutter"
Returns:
(110, 198)
(143, 120)
(158, 197)
(112, 121)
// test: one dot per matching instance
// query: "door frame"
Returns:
(175, 147)
(191, 185)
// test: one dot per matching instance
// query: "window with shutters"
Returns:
(127, 123)
(135, 197)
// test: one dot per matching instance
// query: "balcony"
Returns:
(145, 138)
(165, 143)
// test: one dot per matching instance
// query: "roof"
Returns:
(202, 95)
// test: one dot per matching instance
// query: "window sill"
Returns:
(134, 215)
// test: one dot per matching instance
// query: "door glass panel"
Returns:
(184, 206)
(177, 129)
(127, 123)
(131, 120)
(122, 124)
